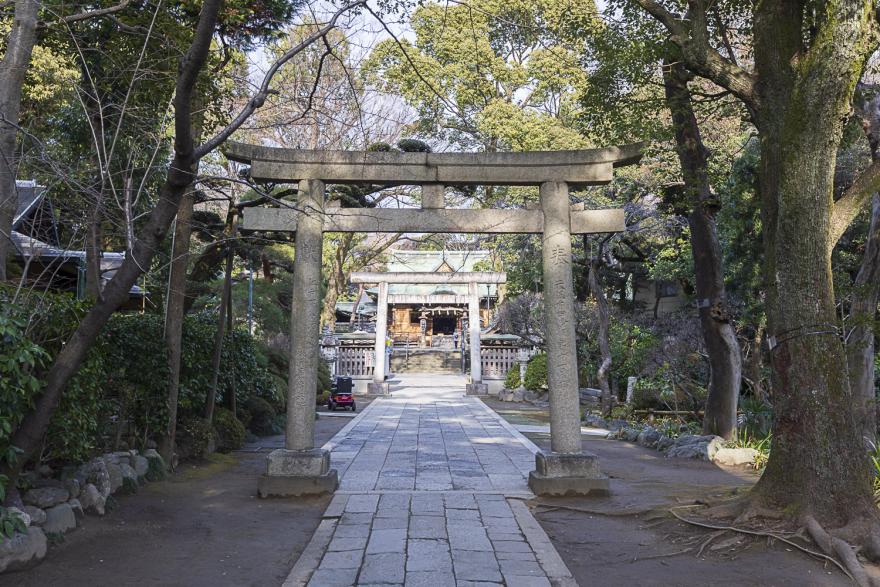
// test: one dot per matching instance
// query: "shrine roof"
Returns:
(401, 261)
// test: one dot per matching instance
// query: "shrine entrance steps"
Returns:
(439, 361)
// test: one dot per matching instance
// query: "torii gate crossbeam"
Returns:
(299, 468)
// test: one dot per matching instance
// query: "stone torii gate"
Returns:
(471, 278)
(300, 468)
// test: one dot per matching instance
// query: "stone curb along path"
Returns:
(431, 492)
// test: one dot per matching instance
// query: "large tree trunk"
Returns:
(174, 315)
(818, 464)
(808, 58)
(725, 358)
(29, 434)
(175, 304)
(13, 67)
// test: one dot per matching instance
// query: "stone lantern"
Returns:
(330, 352)
(522, 356)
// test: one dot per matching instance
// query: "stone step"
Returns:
(426, 361)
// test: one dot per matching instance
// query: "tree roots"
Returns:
(836, 547)
(839, 548)
(845, 547)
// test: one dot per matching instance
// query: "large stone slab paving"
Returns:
(431, 488)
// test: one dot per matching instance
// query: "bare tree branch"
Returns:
(95, 13)
(854, 200)
(259, 98)
(691, 35)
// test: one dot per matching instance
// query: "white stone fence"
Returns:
(497, 361)
(353, 355)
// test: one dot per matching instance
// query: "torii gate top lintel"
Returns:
(575, 167)
(433, 172)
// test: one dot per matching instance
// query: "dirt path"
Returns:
(203, 526)
(629, 550)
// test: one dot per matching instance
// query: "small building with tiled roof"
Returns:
(45, 262)
(426, 315)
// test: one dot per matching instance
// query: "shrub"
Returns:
(32, 330)
(194, 437)
(414, 146)
(230, 431)
(755, 418)
(119, 392)
(647, 393)
(156, 471)
(129, 486)
(324, 381)
(536, 373)
(675, 427)
(512, 381)
(262, 416)
(10, 523)
(19, 359)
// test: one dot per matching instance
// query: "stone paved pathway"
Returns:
(431, 488)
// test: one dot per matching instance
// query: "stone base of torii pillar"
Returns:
(295, 473)
(558, 475)
(477, 389)
(374, 388)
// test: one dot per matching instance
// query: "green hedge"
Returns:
(138, 346)
(123, 379)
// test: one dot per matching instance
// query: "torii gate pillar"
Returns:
(566, 470)
(299, 468)
(378, 385)
(476, 386)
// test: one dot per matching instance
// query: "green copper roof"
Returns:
(436, 261)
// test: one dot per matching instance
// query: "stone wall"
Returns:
(55, 501)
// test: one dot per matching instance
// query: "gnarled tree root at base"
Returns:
(839, 548)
